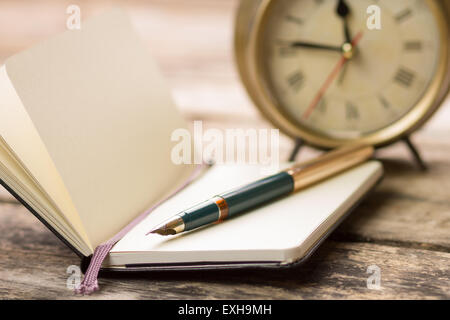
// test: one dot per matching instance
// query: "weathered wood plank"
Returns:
(33, 264)
(21, 231)
(338, 270)
(410, 206)
(5, 196)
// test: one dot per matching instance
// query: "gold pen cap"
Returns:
(310, 172)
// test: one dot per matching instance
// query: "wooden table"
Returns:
(403, 227)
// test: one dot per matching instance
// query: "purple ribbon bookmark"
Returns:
(90, 282)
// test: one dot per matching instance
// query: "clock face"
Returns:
(348, 87)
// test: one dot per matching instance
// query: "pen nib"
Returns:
(173, 226)
(164, 231)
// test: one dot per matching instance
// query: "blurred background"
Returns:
(192, 40)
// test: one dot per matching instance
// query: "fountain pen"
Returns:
(250, 196)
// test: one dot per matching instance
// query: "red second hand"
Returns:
(330, 79)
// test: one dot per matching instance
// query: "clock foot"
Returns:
(415, 153)
(298, 145)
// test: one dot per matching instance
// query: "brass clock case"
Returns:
(251, 17)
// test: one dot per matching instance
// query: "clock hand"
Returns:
(343, 11)
(342, 74)
(330, 79)
(303, 44)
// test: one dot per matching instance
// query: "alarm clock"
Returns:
(334, 72)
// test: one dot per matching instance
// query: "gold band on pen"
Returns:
(223, 208)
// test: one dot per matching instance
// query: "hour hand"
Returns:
(311, 45)
(343, 11)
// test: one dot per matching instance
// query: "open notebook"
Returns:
(85, 143)
(281, 232)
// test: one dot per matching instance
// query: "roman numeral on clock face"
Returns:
(404, 77)
(294, 19)
(384, 102)
(403, 15)
(296, 80)
(413, 46)
(387, 106)
(352, 112)
(322, 107)
(286, 52)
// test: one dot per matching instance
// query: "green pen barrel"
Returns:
(204, 213)
(258, 193)
(239, 200)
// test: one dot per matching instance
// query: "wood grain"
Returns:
(403, 227)
(410, 207)
(32, 259)
(5, 197)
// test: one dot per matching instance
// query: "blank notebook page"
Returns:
(281, 231)
(105, 117)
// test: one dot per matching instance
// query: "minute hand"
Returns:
(302, 44)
